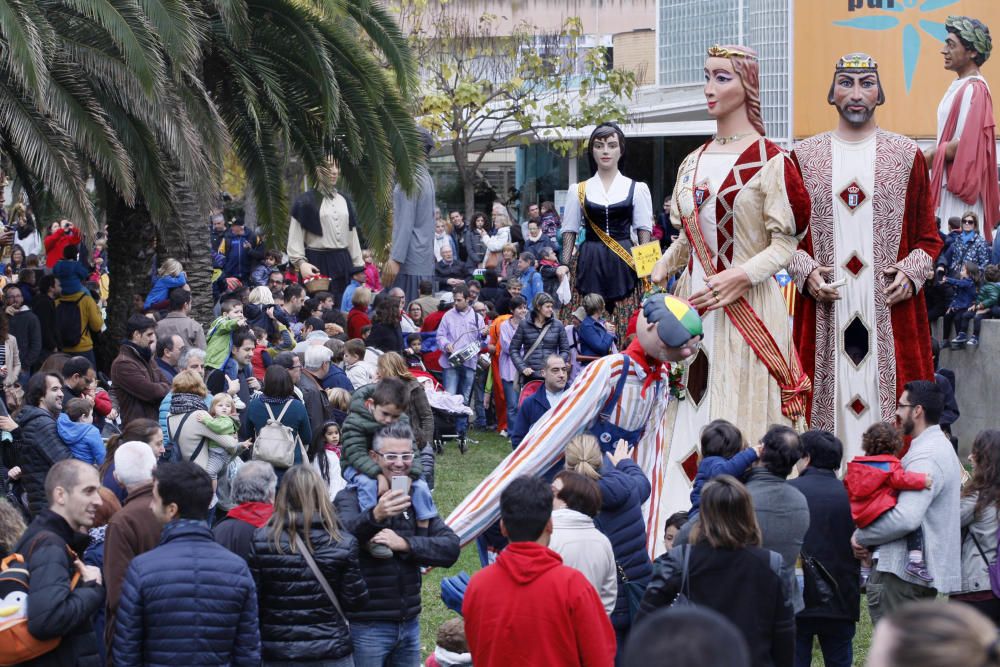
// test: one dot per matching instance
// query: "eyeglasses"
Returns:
(908, 405)
(393, 458)
(295, 368)
(968, 222)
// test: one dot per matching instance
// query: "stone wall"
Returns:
(977, 380)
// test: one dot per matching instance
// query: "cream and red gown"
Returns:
(753, 211)
(871, 210)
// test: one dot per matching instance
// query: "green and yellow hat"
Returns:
(676, 320)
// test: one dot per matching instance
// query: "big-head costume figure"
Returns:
(618, 396)
(871, 243)
(964, 161)
(741, 209)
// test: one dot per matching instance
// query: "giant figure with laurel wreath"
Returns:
(609, 207)
(741, 209)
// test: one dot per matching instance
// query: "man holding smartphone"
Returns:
(871, 243)
(387, 630)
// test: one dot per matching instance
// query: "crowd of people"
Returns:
(259, 488)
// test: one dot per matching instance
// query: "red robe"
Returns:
(906, 233)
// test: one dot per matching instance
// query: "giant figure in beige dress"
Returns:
(740, 207)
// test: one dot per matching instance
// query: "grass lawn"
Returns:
(456, 476)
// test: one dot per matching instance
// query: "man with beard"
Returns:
(871, 243)
(936, 511)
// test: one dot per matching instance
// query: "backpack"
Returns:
(276, 443)
(17, 645)
(69, 324)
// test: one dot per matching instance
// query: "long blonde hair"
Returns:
(391, 365)
(583, 455)
(302, 495)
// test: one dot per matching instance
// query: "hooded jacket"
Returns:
(530, 609)
(235, 532)
(583, 547)
(873, 485)
(83, 440)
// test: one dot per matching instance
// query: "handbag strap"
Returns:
(324, 584)
(177, 432)
(685, 582)
(981, 552)
(538, 341)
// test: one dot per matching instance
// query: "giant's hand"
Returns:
(659, 275)
(818, 286)
(900, 289)
(721, 290)
(307, 270)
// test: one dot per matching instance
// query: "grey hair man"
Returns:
(252, 491)
(315, 366)
(394, 606)
(133, 530)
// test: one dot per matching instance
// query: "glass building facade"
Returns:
(688, 27)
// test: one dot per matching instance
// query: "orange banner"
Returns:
(904, 36)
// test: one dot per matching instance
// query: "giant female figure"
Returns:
(609, 207)
(741, 208)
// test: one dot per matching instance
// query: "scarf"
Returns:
(332, 448)
(181, 403)
(969, 237)
(652, 367)
(144, 352)
(254, 513)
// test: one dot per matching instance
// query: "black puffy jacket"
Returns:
(297, 620)
(394, 583)
(41, 449)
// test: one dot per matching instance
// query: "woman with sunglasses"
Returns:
(968, 246)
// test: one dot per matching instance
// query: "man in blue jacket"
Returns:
(239, 251)
(189, 601)
(554, 377)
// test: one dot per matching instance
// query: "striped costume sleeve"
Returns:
(541, 448)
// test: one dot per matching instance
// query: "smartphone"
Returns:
(400, 483)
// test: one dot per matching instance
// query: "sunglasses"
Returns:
(968, 222)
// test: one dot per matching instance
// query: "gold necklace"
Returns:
(722, 141)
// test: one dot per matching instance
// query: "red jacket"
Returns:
(528, 609)
(873, 484)
(55, 242)
(357, 319)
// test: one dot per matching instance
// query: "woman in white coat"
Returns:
(574, 536)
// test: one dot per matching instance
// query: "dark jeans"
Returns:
(886, 593)
(836, 639)
(962, 325)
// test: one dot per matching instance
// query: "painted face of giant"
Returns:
(654, 347)
(724, 91)
(856, 94)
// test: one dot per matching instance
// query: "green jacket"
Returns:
(357, 433)
(220, 340)
(989, 295)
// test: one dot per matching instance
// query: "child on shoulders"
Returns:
(171, 275)
(70, 272)
(76, 429)
(722, 453)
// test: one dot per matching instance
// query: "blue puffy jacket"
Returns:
(189, 601)
(624, 488)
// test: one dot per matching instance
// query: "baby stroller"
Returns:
(446, 408)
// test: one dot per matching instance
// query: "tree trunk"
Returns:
(131, 253)
(188, 240)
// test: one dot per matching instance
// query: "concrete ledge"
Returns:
(977, 380)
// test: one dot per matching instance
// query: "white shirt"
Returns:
(642, 201)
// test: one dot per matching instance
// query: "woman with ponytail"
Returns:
(624, 488)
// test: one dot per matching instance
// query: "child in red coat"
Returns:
(873, 484)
